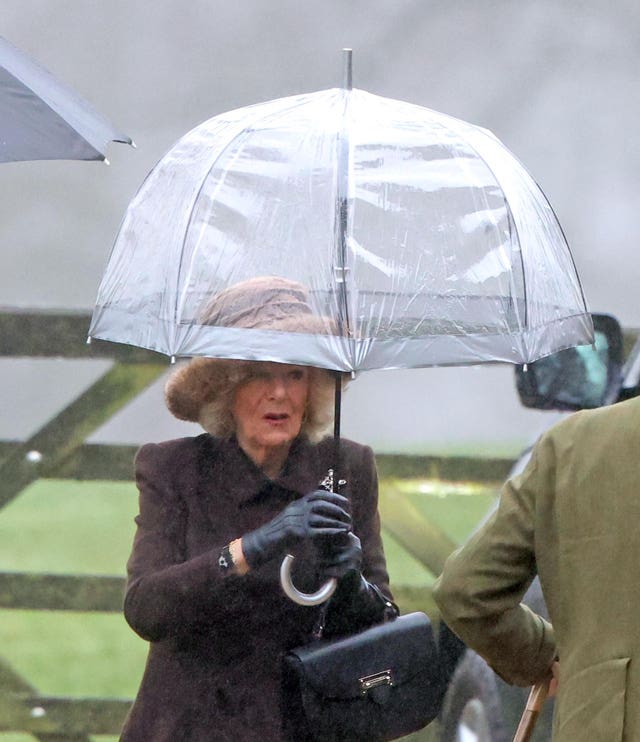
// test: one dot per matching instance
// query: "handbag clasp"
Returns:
(373, 681)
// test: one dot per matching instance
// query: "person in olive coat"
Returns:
(217, 514)
(572, 517)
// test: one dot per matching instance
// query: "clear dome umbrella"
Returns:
(419, 236)
(421, 239)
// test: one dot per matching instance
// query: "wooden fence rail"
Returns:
(115, 463)
(50, 717)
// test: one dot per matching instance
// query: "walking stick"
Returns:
(532, 708)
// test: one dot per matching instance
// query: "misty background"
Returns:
(556, 80)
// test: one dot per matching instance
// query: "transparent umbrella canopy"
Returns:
(421, 238)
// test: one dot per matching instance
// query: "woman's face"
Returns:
(268, 408)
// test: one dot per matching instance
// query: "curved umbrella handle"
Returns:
(292, 592)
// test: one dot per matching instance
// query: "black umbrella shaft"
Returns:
(342, 204)
(336, 430)
(342, 226)
(341, 233)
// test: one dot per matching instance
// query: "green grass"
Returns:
(87, 527)
(66, 526)
(74, 654)
(70, 527)
(457, 508)
(402, 566)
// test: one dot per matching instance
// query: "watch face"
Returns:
(225, 560)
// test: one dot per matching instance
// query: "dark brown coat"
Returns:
(213, 671)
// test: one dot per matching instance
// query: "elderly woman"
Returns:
(217, 514)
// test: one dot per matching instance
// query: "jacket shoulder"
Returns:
(347, 447)
(622, 418)
(179, 452)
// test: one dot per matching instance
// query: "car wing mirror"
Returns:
(578, 378)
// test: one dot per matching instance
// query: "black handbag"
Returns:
(380, 684)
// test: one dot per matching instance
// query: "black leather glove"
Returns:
(319, 514)
(337, 555)
(355, 605)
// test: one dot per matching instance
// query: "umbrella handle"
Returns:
(292, 592)
(532, 708)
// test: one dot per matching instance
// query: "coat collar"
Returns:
(240, 480)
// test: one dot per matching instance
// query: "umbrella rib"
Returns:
(297, 102)
(511, 221)
(514, 226)
(564, 237)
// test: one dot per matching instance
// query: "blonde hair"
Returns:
(203, 391)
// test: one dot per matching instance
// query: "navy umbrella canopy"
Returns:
(42, 118)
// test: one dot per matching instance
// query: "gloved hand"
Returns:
(355, 605)
(317, 515)
(356, 602)
(336, 555)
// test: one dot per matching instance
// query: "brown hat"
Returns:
(262, 303)
(265, 303)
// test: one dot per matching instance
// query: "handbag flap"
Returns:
(385, 654)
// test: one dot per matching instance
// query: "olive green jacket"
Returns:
(573, 517)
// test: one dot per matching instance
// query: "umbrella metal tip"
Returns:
(347, 79)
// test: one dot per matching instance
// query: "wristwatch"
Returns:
(225, 560)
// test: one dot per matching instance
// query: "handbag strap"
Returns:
(318, 626)
(390, 612)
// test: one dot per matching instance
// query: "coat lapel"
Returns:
(228, 479)
(302, 472)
